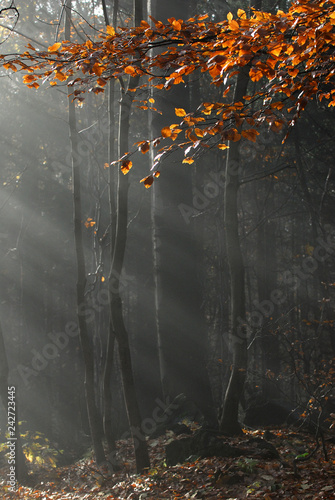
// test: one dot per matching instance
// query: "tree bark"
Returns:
(86, 344)
(266, 266)
(118, 326)
(229, 423)
(107, 395)
(133, 412)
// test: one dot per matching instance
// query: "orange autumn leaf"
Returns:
(10, 66)
(277, 105)
(28, 78)
(188, 160)
(180, 112)
(231, 135)
(60, 76)
(276, 51)
(130, 70)
(144, 148)
(293, 72)
(34, 85)
(147, 181)
(54, 47)
(199, 132)
(176, 25)
(166, 132)
(250, 134)
(126, 166)
(110, 30)
(98, 69)
(277, 125)
(233, 25)
(255, 74)
(102, 82)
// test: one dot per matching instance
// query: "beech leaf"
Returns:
(110, 30)
(144, 148)
(180, 112)
(188, 160)
(147, 181)
(166, 132)
(126, 165)
(250, 134)
(54, 47)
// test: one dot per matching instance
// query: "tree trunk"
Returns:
(86, 344)
(133, 412)
(229, 423)
(121, 334)
(266, 266)
(107, 395)
(320, 276)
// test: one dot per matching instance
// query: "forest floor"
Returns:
(208, 478)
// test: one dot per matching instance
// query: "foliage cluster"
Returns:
(290, 53)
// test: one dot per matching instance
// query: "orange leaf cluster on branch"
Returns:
(290, 54)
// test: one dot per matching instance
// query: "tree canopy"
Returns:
(290, 54)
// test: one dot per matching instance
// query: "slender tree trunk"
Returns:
(21, 471)
(133, 412)
(229, 423)
(266, 282)
(229, 419)
(107, 395)
(121, 334)
(86, 344)
(320, 276)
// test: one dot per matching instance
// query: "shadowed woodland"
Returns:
(167, 247)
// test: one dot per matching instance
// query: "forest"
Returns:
(167, 242)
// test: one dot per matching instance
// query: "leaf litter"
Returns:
(246, 477)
